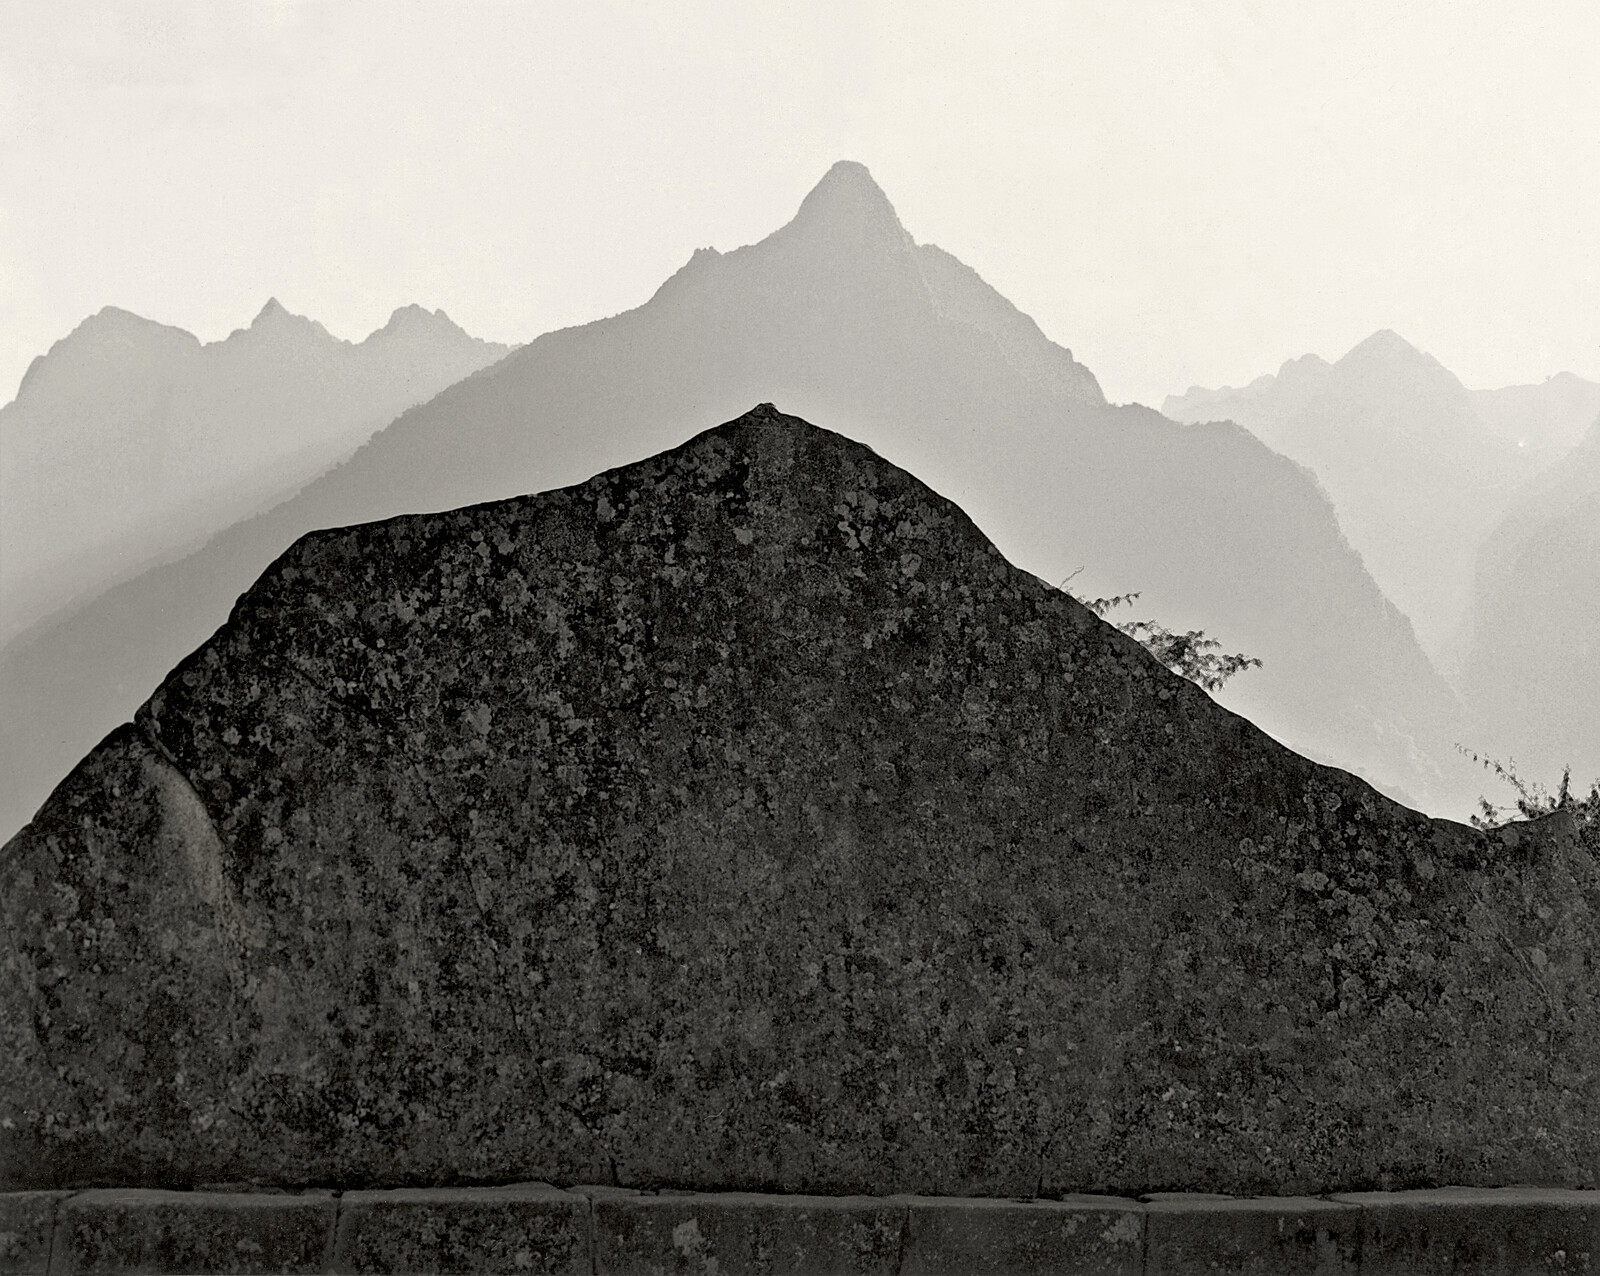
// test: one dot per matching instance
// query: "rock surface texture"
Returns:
(741, 819)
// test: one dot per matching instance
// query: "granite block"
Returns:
(148, 1230)
(736, 1233)
(1074, 1236)
(1266, 1236)
(26, 1222)
(524, 1227)
(1459, 1231)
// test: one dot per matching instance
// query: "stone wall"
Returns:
(537, 1228)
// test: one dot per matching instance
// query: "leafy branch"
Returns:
(1191, 654)
(1534, 801)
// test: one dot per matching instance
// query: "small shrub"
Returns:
(1191, 654)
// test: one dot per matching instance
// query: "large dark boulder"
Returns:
(740, 818)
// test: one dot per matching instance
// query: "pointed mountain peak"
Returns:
(845, 240)
(273, 319)
(1384, 344)
(850, 175)
(415, 320)
(847, 203)
(272, 312)
(1386, 355)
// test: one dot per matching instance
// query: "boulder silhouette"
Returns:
(741, 818)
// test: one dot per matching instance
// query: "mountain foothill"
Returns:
(1222, 520)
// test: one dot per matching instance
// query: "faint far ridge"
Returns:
(1417, 475)
(1552, 415)
(1532, 639)
(131, 440)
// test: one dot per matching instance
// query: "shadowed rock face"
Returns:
(741, 818)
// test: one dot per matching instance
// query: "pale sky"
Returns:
(1182, 191)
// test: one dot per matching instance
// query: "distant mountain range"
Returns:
(1532, 674)
(1417, 475)
(1479, 514)
(1553, 415)
(131, 440)
(840, 316)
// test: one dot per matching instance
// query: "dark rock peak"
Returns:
(741, 817)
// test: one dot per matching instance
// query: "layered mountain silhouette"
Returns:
(741, 818)
(1551, 416)
(842, 317)
(1534, 636)
(1416, 475)
(131, 440)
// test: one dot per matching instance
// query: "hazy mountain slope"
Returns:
(1535, 636)
(1551, 416)
(833, 318)
(1417, 478)
(131, 439)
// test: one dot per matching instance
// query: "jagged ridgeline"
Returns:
(741, 818)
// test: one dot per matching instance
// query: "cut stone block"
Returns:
(1462, 1231)
(1278, 1236)
(525, 1227)
(26, 1220)
(1075, 1236)
(734, 1233)
(143, 1230)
